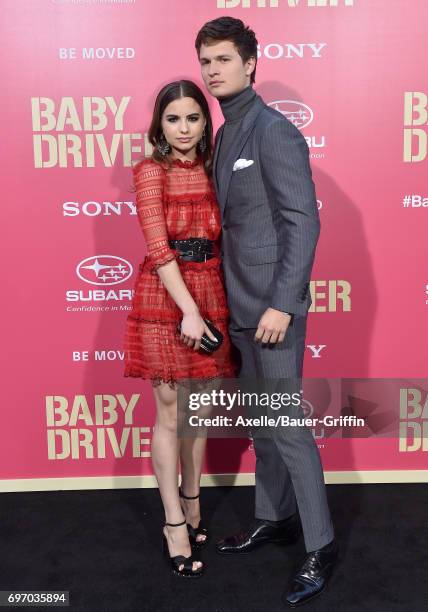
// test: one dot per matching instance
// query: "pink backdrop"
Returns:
(79, 82)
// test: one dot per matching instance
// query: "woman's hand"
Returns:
(192, 329)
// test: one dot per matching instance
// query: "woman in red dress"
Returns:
(178, 282)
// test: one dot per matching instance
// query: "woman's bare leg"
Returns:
(165, 451)
(192, 451)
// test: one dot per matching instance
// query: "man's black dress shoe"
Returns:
(313, 576)
(262, 532)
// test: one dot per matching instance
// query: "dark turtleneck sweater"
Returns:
(234, 109)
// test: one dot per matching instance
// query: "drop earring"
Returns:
(203, 142)
(162, 146)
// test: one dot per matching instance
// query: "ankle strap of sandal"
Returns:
(181, 494)
(176, 524)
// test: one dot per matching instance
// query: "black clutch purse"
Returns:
(208, 345)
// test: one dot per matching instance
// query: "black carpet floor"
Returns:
(105, 548)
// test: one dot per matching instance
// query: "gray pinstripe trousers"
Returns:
(289, 474)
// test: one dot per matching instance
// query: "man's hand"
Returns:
(272, 326)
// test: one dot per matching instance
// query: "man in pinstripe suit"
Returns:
(270, 231)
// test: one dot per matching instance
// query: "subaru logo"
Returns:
(104, 270)
(298, 113)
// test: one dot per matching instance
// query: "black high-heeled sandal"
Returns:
(195, 531)
(178, 560)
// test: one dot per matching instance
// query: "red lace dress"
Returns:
(175, 202)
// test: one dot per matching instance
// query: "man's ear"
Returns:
(250, 65)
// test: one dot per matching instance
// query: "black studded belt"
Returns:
(193, 249)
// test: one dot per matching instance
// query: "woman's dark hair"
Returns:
(175, 91)
(229, 28)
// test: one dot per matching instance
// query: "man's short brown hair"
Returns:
(229, 28)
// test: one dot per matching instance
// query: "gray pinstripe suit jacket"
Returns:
(269, 216)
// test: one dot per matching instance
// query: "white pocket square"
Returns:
(242, 163)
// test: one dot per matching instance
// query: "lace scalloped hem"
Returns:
(159, 379)
(153, 266)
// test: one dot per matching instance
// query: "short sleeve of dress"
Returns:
(148, 181)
